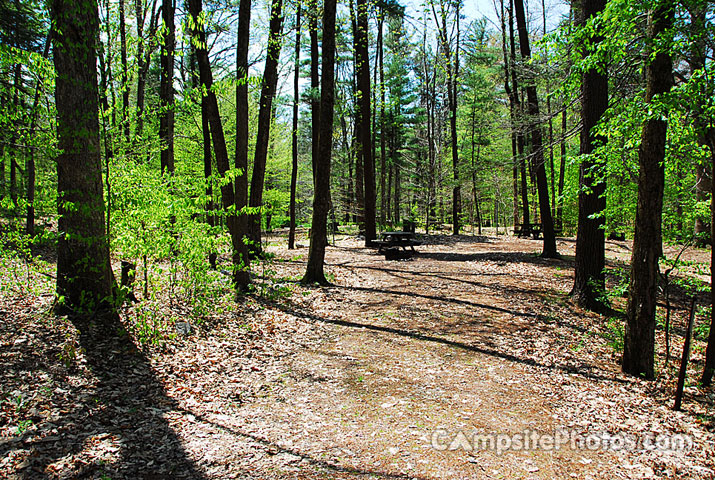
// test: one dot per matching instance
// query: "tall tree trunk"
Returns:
(144, 52)
(318, 237)
(365, 137)
(268, 91)
(452, 70)
(17, 81)
(294, 136)
(547, 222)
(243, 39)
(84, 274)
(124, 83)
(639, 342)
(709, 368)
(512, 118)
(517, 113)
(166, 89)
(589, 276)
(315, 84)
(218, 138)
(562, 170)
(383, 127)
(30, 164)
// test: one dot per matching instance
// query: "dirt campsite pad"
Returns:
(467, 360)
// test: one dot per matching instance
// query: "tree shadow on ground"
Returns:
(316, 464)
(297, 311)
(436, 239)
(103, 418)
(497, 257)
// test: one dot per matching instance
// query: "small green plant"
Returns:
(22, 426)
(615, 332)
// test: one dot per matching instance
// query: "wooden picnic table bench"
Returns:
(533, 230)
(527, 230)
(395, 240)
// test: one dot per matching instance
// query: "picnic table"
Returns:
(527, 230)
(533, 229)
(390, 241)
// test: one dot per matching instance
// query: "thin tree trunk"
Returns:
(383, 162)
(218, 138)
(318, 238)
(562, 170)
(30, 164)
(517, 111)
(124, 81)
(166, 90)
(639, 342)
(144, 57)
(365, 137)
(315, 83)
(547, 223)
(709, 368)
(243, 39)
(17, 80)
(268, 91)
(294, 136)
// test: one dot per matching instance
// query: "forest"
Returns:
(205, 214)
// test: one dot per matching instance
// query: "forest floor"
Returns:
(388, 373)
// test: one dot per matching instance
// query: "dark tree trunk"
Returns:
(294, 136)
(383, 162)
(268, 91)
(30, 164)
(208, 170)
(512, 118)
(144, 57)
(639, 342)
(516, 113)
(124, 83)
(321, 201)
(243, 39)
(365, 137)
(218, 139)
(315, 84)
(589, 277)
(84, 274)
(452, 70)
(166, 89)
(697, 59)
(709, 368)
(562, 171)
(547, 222)
(16, 151)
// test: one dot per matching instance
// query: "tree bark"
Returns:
(265, 117)
(294, 136)
(241, 161)
(517, 111)
(166, 89)
(639, 342)
(589, 276)
(144, 57)
(124, 83)
(452, 73)
(240, 271)
(365, 137)
(30, 164)
(84, 274)
(315, 84)
(318, 238)
(537, 161)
